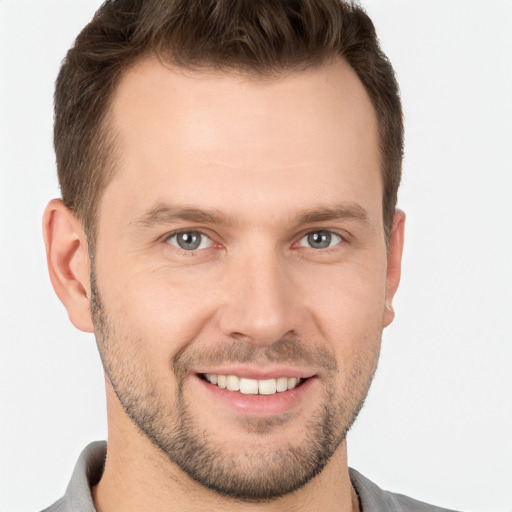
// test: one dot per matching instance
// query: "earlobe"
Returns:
(394, 267)
(68, 262)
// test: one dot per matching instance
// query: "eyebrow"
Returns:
(349, 211)
(167, 213)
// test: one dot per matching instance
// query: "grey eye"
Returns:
(189, 240)
(320, 239)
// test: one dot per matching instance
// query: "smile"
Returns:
(253, 386)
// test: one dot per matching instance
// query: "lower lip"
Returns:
(259, 405)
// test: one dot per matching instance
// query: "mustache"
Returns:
(289, 350)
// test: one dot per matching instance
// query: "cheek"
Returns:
(163, 309)
(347, 307)
(348, 291)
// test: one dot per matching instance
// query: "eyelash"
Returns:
(194, 252)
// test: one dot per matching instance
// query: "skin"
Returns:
(263, 155)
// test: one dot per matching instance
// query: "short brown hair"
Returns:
(263, 37)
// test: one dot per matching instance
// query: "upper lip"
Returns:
(259, 373)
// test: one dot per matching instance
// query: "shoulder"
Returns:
(58, 506)
(87, 472)
(373, 499)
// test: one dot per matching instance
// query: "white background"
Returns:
(438, 421)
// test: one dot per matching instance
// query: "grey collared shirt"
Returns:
(89, 467)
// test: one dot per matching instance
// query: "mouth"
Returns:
(248, 386)
(257, 393)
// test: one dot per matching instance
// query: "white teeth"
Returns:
(282, 384)
(233, 383)
(248, 386)
(253, 386)
(211, 378)
(292, 383)
(267, 387)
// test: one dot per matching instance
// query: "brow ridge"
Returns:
(163, 213)
(166, 213)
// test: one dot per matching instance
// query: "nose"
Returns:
(261, 304)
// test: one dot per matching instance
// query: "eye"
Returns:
(320, 239)
(190, 240)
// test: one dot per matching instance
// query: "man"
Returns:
(228, 231)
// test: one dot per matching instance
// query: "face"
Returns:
(241, 272)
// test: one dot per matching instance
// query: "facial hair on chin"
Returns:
(255, 473)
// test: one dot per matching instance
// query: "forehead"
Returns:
(217, 139)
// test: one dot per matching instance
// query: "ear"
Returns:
(396, 246)
(68, 262)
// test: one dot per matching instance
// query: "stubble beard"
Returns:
(255, 474)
